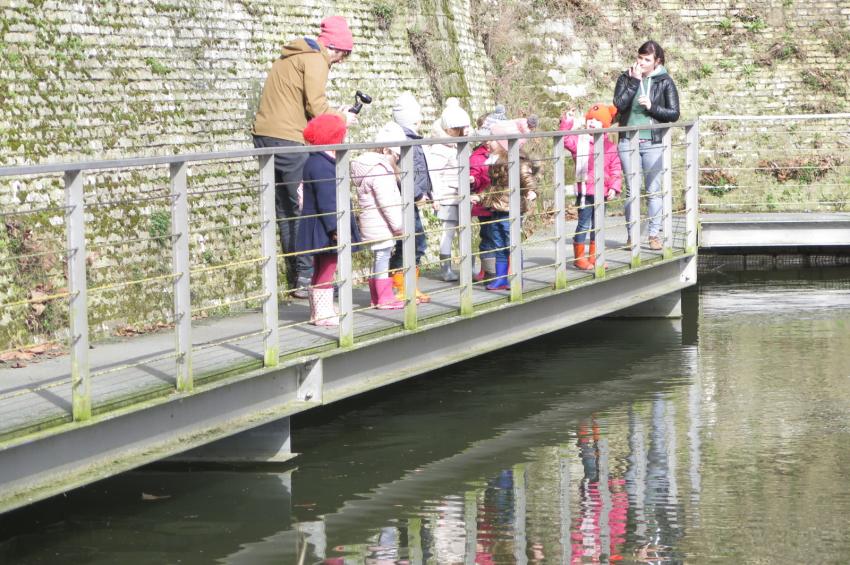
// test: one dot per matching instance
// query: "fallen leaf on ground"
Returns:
(16, 356)
(146, 496)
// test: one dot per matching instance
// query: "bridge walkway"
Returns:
(132, 369)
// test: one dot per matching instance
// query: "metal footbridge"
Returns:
(201, 386)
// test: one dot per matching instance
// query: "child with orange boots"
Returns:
(581, 148)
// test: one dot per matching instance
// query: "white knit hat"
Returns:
(453, 115)
(406, 111)
(389, 133)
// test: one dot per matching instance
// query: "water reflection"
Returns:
(617, 441)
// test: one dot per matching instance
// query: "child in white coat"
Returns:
(443, 168)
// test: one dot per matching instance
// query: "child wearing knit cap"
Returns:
(407, 113)
(581, 148)
(499, 114)
(317, 229)
(442, 159)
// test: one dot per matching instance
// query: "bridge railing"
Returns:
(209, 241)
(780, 163)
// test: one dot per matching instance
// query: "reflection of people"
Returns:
(386, 550)
(645, 94)
(588, 535)
(495, 516)
(581, 148)
(662, 510)
(293, 93)
(318, 229)
(442, 160)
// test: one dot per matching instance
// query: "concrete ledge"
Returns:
(742, 231)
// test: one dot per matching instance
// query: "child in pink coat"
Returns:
(374, 175)
(581, 148)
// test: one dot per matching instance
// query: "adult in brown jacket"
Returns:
(293, 94)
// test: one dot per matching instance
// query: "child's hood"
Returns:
(437, 129)
(362, 165)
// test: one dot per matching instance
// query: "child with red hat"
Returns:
(317, 230)
(581, 148)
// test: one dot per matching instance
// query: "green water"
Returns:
(722, 438)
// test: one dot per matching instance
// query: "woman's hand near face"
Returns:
(635, 71)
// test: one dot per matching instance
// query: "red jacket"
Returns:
(481, 178)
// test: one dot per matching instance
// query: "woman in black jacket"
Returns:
(645, 94)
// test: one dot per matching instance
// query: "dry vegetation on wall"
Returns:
(773, 57)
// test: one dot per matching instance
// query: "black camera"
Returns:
(360, 98)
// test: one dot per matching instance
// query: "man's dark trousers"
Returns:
(288, 174)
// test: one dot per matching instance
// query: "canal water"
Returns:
(721, 438)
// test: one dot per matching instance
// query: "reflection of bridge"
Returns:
(73, 419)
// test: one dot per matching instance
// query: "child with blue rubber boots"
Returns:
(497, 197)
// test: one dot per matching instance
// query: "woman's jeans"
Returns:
(586, 224)
(651, 164)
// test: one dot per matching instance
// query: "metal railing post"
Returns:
(634, 183)
(268, 249)
(464, 212)
(75, 227)
(180, 270)
(599, 202)
(560, 214)
(667, 197)
(691, 187)
(409, 241)
(343, 241)
(515, 221)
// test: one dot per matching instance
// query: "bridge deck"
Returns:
(39, 395)
(775, 229)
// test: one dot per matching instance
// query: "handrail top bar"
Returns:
(241, 153)
(723, 117)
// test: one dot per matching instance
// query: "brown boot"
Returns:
(398, 285)
(420, 296)
(581, 262)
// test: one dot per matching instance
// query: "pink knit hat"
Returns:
(335, 34)
(509, 127)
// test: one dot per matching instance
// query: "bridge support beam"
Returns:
(666, 306)
(269, 443)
